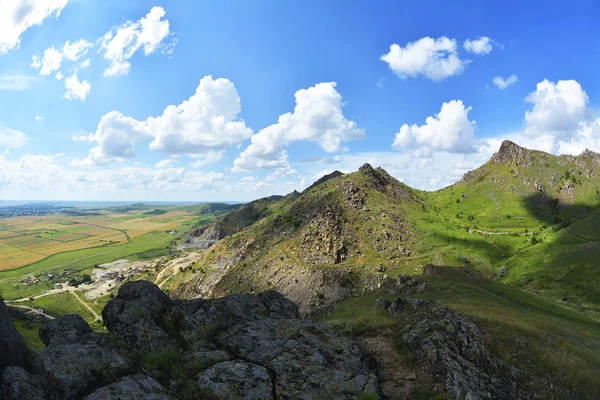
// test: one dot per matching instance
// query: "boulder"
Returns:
(237, 380)
(17, 383)
(136, 315)
(308, 358)
(77, 359)
(382, 303)
(139, 386)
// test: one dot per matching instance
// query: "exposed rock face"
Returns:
(207, 235)
(12, 347)
(450, 347)
(512, 152)
(242, 346)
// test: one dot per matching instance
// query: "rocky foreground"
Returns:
(241, 346)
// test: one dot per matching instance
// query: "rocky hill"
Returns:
(335, 239)
(309, 246)
(241, 346)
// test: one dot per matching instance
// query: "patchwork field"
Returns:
(26, 240)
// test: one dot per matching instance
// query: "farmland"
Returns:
(26, 240)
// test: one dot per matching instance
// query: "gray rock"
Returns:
(309, 359)
(67, 329)
(18, 384)
(140, 387)
(278, 305)
(81, 360)
(237, 380)
(382, 303)
(13, 349)
(136, 315)
(450, 347)
(502, 271)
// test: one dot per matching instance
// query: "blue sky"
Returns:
(232, 100)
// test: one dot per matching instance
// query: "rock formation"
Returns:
(242, 346)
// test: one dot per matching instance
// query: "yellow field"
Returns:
(24, 240)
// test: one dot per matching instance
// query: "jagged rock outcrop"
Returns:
(450, 347)
(242, 346)
(512, 152)
(12, 347)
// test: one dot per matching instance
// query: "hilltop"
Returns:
(346, 232)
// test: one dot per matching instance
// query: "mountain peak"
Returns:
(366, 167)
(510, 151)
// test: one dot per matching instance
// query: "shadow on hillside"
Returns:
(551, 211)
(469, 248)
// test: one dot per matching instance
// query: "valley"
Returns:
(516, 240)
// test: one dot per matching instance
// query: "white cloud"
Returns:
(50, 62)
(12, 138)
(74, 51)
(38, 118)
(85, 63)
(35, 62)
(482, 45)
(116, 137)
(435, 59)
(76, 89)
(209, 157)
(206, 122)
(317, 117)
(59, 76)
(165, 163)
(559, 109)
(119, 46)
(17, 16)
(15, 82)
(449, 130)
(504, 83)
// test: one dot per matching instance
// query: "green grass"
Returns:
(30, 332)
(141, 248)
(60, 304)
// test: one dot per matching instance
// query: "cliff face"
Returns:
(240, 346)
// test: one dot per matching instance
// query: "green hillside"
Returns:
(528, 212)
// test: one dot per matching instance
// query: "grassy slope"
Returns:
(521, 328)
(30, 332)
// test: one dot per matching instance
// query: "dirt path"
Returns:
(33, 311)
(83, 303)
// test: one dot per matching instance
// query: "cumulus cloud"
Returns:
(209, 157)
(75, 88)
(50, 62)
(205, 123)
(12, 138)
(504, 83)
(317, 117)
(18, 16)
(76, 50)
(59, 76)
(558, 110)
(436, 59)
(449, 130)
(481, 46)
(121, 43)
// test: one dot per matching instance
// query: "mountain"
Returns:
(346, 233)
